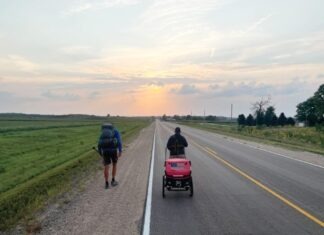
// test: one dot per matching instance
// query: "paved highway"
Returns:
(238, 190)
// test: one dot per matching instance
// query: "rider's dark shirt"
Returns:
(176, 144)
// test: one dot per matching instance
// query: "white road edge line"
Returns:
(231, 139)
(147, 218)
(278, 154)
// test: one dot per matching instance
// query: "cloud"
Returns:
(97, 5)
(4, 95)
(320, 76)
(240, 89)
(299, 50)
(77, 50)
(257, 24)
(11, 99)
(174, 20)
(94, 95)
(79, 8)
(17, 62)
(61, 96)
(185, 89)
(156, 83)
(231, 89)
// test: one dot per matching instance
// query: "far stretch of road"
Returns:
(238, 190)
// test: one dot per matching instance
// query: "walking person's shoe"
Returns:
(114, 183)
(107, 185)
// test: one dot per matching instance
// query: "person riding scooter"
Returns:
(176, 144)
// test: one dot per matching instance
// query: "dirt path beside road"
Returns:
(118, 210)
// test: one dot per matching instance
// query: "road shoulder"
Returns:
(118, 210)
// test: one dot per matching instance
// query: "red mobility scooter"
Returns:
(177, 175)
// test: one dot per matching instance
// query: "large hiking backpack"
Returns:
(107, 139)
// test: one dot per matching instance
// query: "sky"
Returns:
(154, 57)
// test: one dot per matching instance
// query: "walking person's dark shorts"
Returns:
(109, 156)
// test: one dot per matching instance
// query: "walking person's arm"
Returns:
(99, 145)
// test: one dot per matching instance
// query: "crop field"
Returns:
(302, 138)
(38, 152)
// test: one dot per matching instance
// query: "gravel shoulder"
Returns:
(117, 210)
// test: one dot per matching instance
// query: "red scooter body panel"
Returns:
(177, 167)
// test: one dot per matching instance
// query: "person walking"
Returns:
(176, 144)
(110, 148)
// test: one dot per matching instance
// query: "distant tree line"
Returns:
(208, 118)
(264, 115)
(311, 111)
(268, 118)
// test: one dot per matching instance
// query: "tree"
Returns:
(188, 117)
(164, 117)
(311, 111)
(176, 117)
(274, 120)
(282, 120)
(269, 114)
(306, 112)
(241, 120)
(250, 120)
(259, 120)
(259, 106)
(210, 118)
(291, 121)
(319, 104)
(258, 109)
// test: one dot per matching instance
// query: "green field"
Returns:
(306, 138)
(39, 158)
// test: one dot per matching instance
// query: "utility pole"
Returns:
(231, 112)
(204, 113)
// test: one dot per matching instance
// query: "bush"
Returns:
(319, 127)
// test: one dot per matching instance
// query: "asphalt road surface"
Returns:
(238, 190)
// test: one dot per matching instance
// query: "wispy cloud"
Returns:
(258, 23)
(186, 89)
(79, 8)
(76, 50)
(156, 83)
(4, 95)
(17, 62)
(97, 5)
(241, 89)
(65, 96)
(320, 76)
(94, 95)
(174, 20)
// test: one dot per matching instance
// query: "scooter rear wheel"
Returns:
(191, 188)
(163, 187)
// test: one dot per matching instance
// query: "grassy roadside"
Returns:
(22, 196)
(303, 139)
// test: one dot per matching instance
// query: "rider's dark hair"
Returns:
(177, 130)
